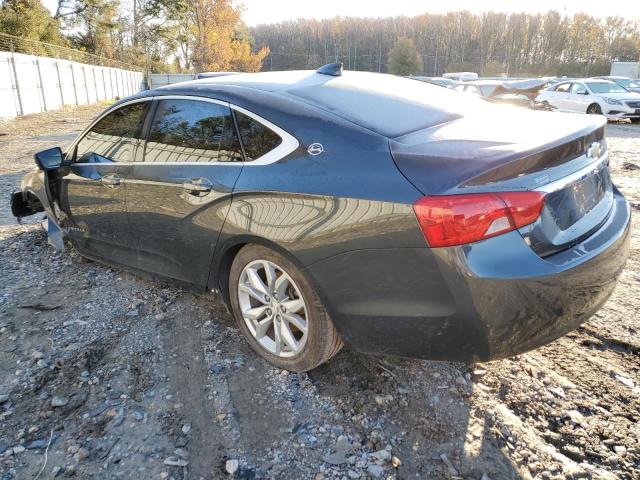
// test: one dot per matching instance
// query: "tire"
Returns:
(285, 293)
(594, 109)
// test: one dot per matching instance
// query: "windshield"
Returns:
(623, 81)
(602, 87)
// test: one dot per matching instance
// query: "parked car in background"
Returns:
(626, 82)
(392, 215)
(440, 81)
(521, 93)
(461, 76)
(593, 96)
(214, 74)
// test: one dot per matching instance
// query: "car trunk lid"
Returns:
(562, 155)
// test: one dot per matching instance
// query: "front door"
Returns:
(91, 190)
(579, 98)
(178, 196)
(560, 97)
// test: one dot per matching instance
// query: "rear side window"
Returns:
(114, 138)
(257, 139)
(564, 87)
(192, 131)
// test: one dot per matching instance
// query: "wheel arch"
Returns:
(594, 103)
(226, 253)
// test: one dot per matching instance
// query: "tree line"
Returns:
(162, 35)
(491, 43)
(206, 35)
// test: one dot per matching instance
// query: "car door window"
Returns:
(257, 139)
(578, 89)
(563, 88)
(192, 131)
(114, 138)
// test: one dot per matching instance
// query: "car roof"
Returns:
(595, 80)
(610, 77)
(484, 82)
(365, 99)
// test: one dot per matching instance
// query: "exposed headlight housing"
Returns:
(612, 101)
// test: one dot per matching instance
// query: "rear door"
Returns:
(179, 189)
(91, 190)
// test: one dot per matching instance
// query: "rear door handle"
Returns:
(112, 180)
(198, 186)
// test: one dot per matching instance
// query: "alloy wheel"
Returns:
(273, 308)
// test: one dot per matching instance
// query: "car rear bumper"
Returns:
(478, 302)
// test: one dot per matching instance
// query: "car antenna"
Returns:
(333, 69)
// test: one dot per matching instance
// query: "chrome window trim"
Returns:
(288, 145)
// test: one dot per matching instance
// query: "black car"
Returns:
(392, 215)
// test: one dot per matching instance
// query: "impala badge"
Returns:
(315, 149)
(594, 150)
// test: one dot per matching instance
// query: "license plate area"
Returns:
(572, 213)
(569, 205)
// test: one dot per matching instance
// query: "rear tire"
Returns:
(594, 109)
(282, 318)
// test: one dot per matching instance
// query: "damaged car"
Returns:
(330, 207)
(519, 93)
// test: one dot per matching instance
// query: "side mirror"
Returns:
(49, 159)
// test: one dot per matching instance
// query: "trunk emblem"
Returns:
(315, 149)
(594, 150)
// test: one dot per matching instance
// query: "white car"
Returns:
(592, 96)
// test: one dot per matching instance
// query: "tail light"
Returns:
(448, 220)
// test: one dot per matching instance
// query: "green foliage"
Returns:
(29, 19)
(404, 58)
(461, 67)
(491, 69)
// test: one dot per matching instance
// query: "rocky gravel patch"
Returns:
(104, 374)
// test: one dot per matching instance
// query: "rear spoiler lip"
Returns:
(489, 168)
(541, 158)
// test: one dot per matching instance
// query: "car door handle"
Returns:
(198, 186)
(112, 180)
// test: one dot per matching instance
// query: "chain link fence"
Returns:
(10, 43)
(38, 77)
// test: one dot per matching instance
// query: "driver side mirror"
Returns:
(49, 159)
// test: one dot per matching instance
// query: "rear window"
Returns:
(389, 105)
(257, 139)
(192, 131)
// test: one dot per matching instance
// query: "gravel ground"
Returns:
(107, 375)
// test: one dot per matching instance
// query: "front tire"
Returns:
(279, 312)
(594, 109)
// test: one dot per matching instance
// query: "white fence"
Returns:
(160, 79)
(31, 84)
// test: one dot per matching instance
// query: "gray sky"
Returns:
(269, 11)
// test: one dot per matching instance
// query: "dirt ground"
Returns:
(107, 375)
